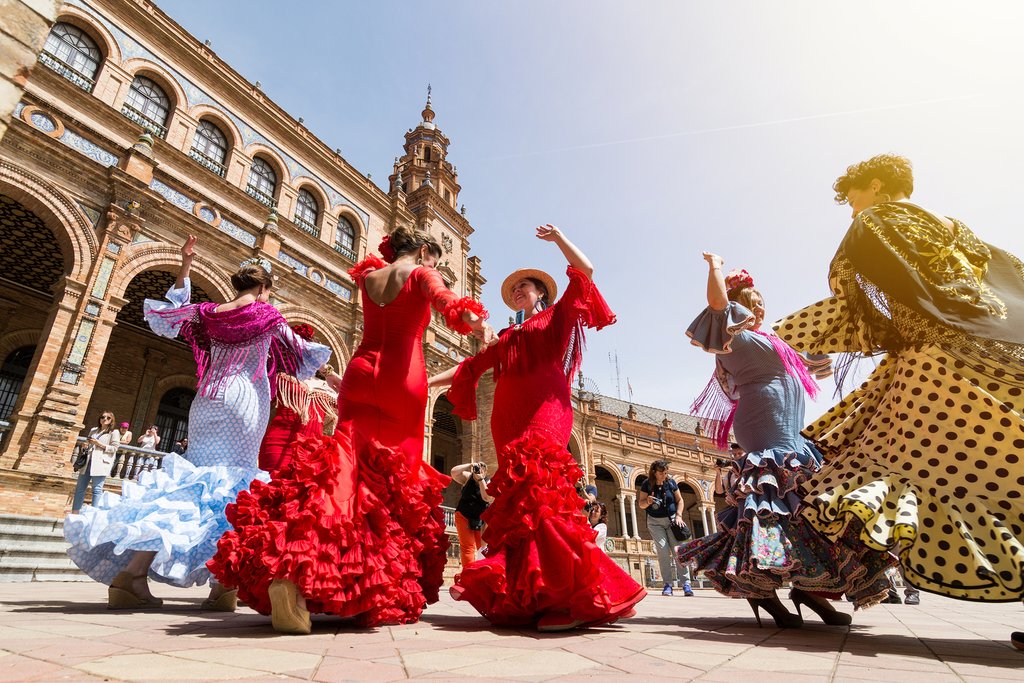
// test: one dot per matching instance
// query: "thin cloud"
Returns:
(741, 126)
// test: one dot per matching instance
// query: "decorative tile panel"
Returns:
(293, 262)
(339, 289)
(92, 308)
(99, 288)
(82, 339)
(88, 148)
(43, 122)
(240, 234)
(113, 247)
(173, 196)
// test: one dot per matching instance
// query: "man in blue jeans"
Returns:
(661, 498)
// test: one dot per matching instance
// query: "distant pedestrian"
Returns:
(102, 445)
(661, 498)
(472, 503)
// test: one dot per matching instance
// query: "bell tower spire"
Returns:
(425, 167)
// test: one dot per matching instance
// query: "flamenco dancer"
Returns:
(352, 525)
(758, 393)
(166, 526)
(302, 407)
(542, 567)
(925, 458)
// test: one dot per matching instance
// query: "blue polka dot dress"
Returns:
(178, 511)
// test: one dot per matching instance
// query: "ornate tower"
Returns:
(426, 183)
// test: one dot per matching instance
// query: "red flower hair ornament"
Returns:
(305, 331)
(386, 250)
(738, 278)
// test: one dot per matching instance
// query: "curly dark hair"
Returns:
(895, 173)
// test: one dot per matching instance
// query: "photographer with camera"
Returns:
(472, 503)
(661, 498)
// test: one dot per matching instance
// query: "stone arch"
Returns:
(695, 485)
(159, 256)
(294, 313)
(69, 14)
(304, 182)
(138, 66)
(70, 226)
(222, 120)
(18, 339)
(575, 446)
(272, 156)
(349, 214)
(615, 472)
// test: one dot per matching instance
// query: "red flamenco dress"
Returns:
(302, 408)
(541, 563)
(354, 519)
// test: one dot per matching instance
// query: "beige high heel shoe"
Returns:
(226, 601)
(121, 594)
(285, 614)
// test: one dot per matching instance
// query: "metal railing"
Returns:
(67, 71)
(208, 163)
(133, 114)
(346, 252)
(306, 226)
(129, 462)
(259, 195)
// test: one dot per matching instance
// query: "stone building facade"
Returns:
(131, 135)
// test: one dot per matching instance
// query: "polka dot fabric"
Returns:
(925, 458)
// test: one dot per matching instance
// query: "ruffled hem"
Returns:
(713, 330)
(369, 264)
(321, 528)
(765, 543)
(453, 314)
(591, 307)
(541, 557)
(177, 511)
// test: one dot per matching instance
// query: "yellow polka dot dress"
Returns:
(924, 458)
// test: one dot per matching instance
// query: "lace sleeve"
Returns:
(165, 318)
(462, 392)
(446, 302)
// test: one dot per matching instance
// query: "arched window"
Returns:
(262, 181)
(73, 54)
(172, 417)
(210, 147)
(345, 239)
(12, 376)
(148, 105)
(307, 211)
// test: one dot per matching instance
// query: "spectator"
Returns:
(661, 498)
(126, 434)
(911, 596)
(180, 447)
(150, 440)
(102, 444)
(472, 503)
(599, 522)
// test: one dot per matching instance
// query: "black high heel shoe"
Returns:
(827, 612)
(1017, 640)
(783, 617)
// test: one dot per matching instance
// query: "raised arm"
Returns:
(576, 258)
(717, 298)
(188, 252)
(443, 379)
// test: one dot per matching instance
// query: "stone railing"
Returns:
(67, 71)
(207, 162)
(133, 114)
(129, 462)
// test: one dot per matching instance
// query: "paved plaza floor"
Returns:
(63, 632)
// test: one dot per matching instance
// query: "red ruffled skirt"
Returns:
(541, 557)
(282, 432)
(340, 527)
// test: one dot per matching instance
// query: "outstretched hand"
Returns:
(714, 260)
(548, 233)
(188, 250)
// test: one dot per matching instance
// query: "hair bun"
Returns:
(737, 279)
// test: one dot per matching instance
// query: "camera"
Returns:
(722, 462)
(655, 502)
(476, 469)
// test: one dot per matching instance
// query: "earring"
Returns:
(419, 261)
(884, 197)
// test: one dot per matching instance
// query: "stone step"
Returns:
(34, 549)
(15, 564)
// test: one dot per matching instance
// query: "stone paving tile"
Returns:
(51, 632)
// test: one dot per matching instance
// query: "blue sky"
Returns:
(649, 131)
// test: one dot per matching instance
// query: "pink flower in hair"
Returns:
(738, 278)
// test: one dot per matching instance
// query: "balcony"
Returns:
(259, 195)
(346, 252)
(76, 77)
(138, 117)
(208, 163)
(306, 226)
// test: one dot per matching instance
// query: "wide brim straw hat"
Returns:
(523, 273)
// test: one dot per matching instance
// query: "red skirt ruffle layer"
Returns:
(541, 557)
(322, 524)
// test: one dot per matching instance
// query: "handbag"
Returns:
(82, 459)
(681, 533)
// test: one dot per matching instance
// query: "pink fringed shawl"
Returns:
(237, 332)
(716, 405)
